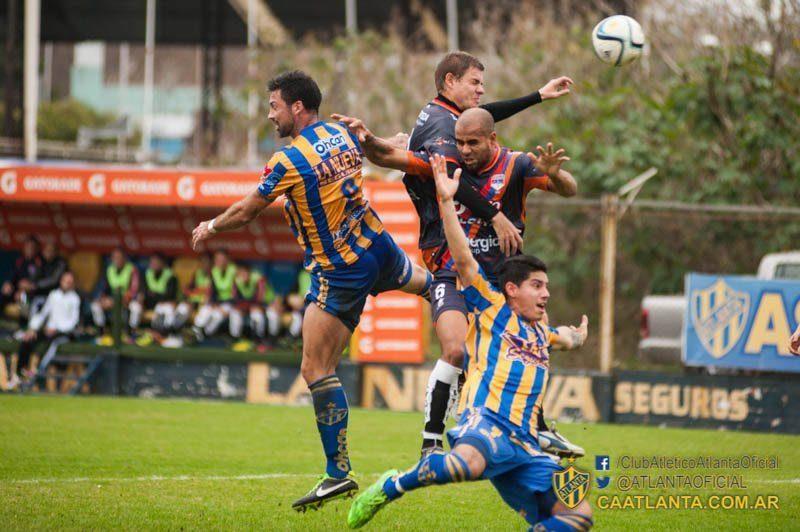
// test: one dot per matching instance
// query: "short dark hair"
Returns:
(517, 269)
(456, 63)
(297, 85)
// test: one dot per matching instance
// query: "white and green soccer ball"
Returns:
(618, 40)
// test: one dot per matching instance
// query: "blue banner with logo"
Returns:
(740, 322)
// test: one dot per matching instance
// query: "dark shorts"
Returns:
(343, 292)
(445, 294)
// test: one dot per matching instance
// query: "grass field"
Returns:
(100, 463)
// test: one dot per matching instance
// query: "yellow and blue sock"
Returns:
(433, 469)
(330, 407)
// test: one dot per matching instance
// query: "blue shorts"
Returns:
(343, 291)
(515, 465)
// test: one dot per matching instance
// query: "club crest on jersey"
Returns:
(571, 485)
(526, 351)
(497, 181)
(331, 415)
(719, 314)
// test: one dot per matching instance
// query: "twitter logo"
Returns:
(602, 482)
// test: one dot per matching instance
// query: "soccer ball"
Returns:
(618, 40)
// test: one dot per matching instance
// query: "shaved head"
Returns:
(475, 138)
(476, 120)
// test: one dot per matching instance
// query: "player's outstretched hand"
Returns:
(578, 334)
(200, 234)
(445, 187)
(794, 342)
(548, 161)
(355, 125)
(556, 88)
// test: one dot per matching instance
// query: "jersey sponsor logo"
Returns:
(269, 181)
(339, 166)
(483, 245)
(528, 352)
(323, 146)
(422, 118)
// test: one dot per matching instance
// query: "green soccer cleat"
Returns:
(326, 489)
(366, 505)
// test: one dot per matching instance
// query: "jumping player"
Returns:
(503, 177)
(347, 252)
(508, 353)
(459, 86)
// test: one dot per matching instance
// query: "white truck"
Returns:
(662, 316)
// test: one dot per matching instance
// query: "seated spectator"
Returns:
(198, 292)
(27, 269)
(160, 294)
(53, 266)
(59, 315)
(120, 276)
(249, 298)
(211, 315)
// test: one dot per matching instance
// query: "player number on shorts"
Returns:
(438, 294)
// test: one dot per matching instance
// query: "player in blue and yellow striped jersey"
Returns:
(508, 350)
(347, 252)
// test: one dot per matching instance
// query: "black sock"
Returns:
(435, 424)
(542, 424)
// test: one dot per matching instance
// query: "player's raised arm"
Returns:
(446, 187)
(555, 88)
(571, 337)
(237, 215)
(549, 162)
(379, 151)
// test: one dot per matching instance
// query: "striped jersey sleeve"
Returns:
(479, 295)
(533, 177)
(278, 177)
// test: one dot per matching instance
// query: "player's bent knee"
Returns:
(475, 461)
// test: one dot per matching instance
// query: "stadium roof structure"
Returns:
(210, 23)
(186, 21)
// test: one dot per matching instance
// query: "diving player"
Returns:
(459, 86)
(503, 177)
(347, 252)
(508, 359)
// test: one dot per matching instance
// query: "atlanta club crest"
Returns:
(571, 485)
(331, 415)
(719, 314)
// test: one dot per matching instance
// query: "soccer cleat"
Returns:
(327, 489)
(366, 505)
(242, 345)
(553, 442)
(145, 340)
(106, 340)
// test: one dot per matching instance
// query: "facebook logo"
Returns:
(602, 462)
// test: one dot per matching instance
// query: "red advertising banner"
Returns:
(154, 210)
(391, 324)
